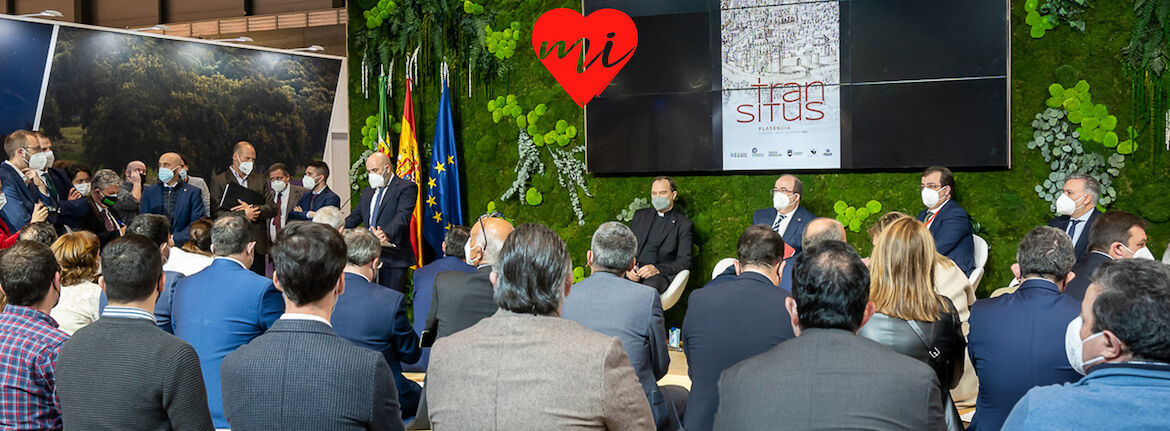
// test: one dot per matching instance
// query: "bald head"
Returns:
(170, 161)
(487, 237)
(136, 167)
(377, 161)
(820, 230)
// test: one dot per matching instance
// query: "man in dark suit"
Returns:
(385, 208)
(1115, 235)
(22, 187)
(243, 162)
(1077, 210)
(179, 202)
(283, 195)
(948, 222)
(301, 374)
(786, 216)
(1016, 340)
(224, 306)
(734, 320)
(374, 317)
(157, 229)
(819, 230)
(424, 284)
(664, 238)
(828, 377)
(315, 176)
(613, 306)
(94, 213)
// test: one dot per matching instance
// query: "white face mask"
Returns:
(49, 158)
(929, 197)
(780, 201)
(82, 188)
(1141, 253)
(38, 161)
(660, 202)
(308, 182)
(377, 181)
(278, 186)
(1074, 346)
(245, 168)
(1065, 205)
(467, 253)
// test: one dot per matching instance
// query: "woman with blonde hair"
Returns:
(78, 255)
(911, 317)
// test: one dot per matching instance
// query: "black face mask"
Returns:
(109, 200)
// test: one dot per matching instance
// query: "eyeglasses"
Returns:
(782, 190)
(930, 186)
(482, 229)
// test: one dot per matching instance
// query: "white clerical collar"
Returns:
(300, 316)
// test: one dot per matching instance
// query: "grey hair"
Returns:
(1047, 252)
(1134, 303)
(230, 235)
(1092, 187)
(361, 246)
(105, 178)
(613, 246)
(797, 187)
(825, 230)
(329, 215)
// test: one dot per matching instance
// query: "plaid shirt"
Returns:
(29, 344)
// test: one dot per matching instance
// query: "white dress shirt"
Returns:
(185, 262)
(930, 213)
(299, 316)
(1080, 227)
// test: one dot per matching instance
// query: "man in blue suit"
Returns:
(225, 306)
(786, 216)
(157, 229)
(424, 284)
(733, 321)
(374, 317)
(1017, 340)
(23, 189)
(179, 202)
(1077, 210)
(315, 176)
(385, 209)
(948, 222)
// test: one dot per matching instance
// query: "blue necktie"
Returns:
(776, 225)
(377, 208)
(1072, 227)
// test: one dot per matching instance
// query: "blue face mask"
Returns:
(165, 175)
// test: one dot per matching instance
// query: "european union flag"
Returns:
(444, 207)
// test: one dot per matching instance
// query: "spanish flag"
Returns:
(408, 169)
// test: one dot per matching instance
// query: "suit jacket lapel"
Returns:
(382, 204)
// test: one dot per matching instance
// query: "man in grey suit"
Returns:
(611, 305)
(300, 374)
(828, 377)
(526, 368)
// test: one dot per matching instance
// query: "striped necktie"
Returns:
(776, 225)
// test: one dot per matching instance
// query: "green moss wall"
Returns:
(1003, 202)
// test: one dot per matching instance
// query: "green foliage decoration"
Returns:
(1040, 24)
(1146, 57)
(471, 8)
(579, 274)
(627, 213)
(853, 217)
(379, 13)
(357, 171)
(533, 196)
(503, 43)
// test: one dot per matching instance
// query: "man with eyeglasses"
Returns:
(948, 222)
(786, 216)
(23, 188)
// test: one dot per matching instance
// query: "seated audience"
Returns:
(40, 232)
(29, 338)
(734, 320)
(315, 177)
(910, 316)
(157, 229)
(1017, 340)
(330, 216)
(374, 317)
(607, 303)
(195, 254)
(828, 377)
(947, 221)
(1076, 210)
(786, 216)
(1115, 235)
(225, 306)
(1122, 337)
(78, 255)
(180, 202)
(94, 213)
(301, 374)
(817, 231)
(527, 368)
(123, 372)
(664, 238)
(424, 284)
(22, 187)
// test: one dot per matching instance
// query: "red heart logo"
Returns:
(584, 53)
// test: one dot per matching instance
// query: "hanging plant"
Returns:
(528, 165)
(1146, 58)
(853, 217)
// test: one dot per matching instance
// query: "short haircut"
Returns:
(1092, 187)
(105, 178)
(309, 259)
(74, 168)
(279, 167)
(154, 227)
(320, 166)
(77, 253)
(230, 235)
(41, 232)
(1111, 227)
(669, 180)
(831, 287)
(832, 232)
(1134, 304)
(454, 241)
(532, 271)
(19, 139)
(945, 177)
(1047, 252)
(131, 266)
(329, 215)
(759, 245)
(26, 272)
(361, 246)
(614, 247)
(199, 234)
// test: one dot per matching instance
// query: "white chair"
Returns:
(675, 291)
(722, 266)
(981, 251)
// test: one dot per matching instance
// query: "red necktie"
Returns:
(276, 219)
